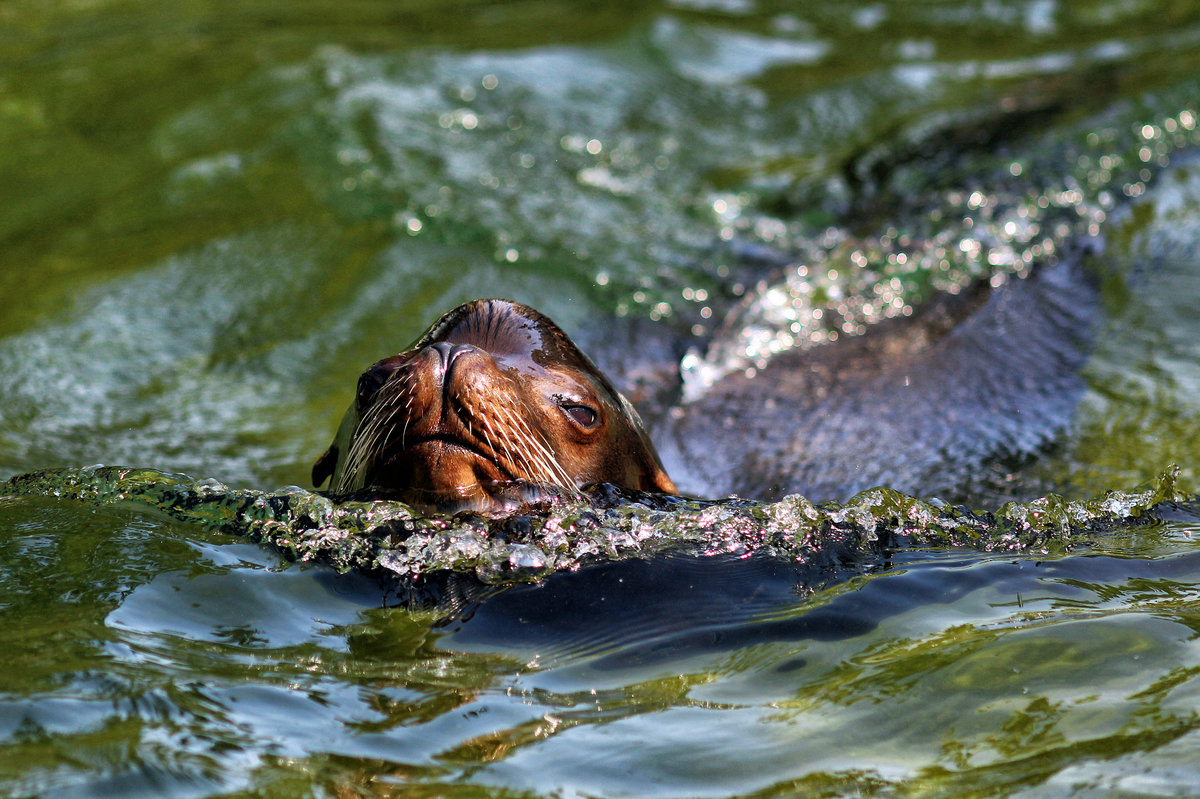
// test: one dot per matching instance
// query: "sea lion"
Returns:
(492, 404)
(495, 405)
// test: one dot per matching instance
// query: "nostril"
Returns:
(446, 354)
(445, 350)
(449, 352)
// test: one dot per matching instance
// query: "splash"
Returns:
(389, 540)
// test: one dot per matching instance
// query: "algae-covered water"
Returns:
(213, 216)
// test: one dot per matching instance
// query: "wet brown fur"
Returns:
(493, 397)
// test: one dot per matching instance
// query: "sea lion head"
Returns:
(493, 399)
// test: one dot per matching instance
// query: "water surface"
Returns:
(211, 219)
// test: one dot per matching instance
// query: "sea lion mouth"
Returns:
(438, 447)
(447, 474)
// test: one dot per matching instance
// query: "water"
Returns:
(211, 220)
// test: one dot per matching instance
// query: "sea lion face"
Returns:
(493, 399)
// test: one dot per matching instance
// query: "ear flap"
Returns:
(657, 481)
(325, 465)
(654, 478)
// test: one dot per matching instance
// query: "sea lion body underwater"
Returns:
(956, 401)
(492, 404)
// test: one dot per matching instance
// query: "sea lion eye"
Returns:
(582, 415)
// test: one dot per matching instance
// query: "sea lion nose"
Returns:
(448, 352)
(444, 350)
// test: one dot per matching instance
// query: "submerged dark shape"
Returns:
(924, 405)
(493, 406)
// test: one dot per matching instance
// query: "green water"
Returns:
(212, 216)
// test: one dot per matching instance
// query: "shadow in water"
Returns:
(677, 605)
